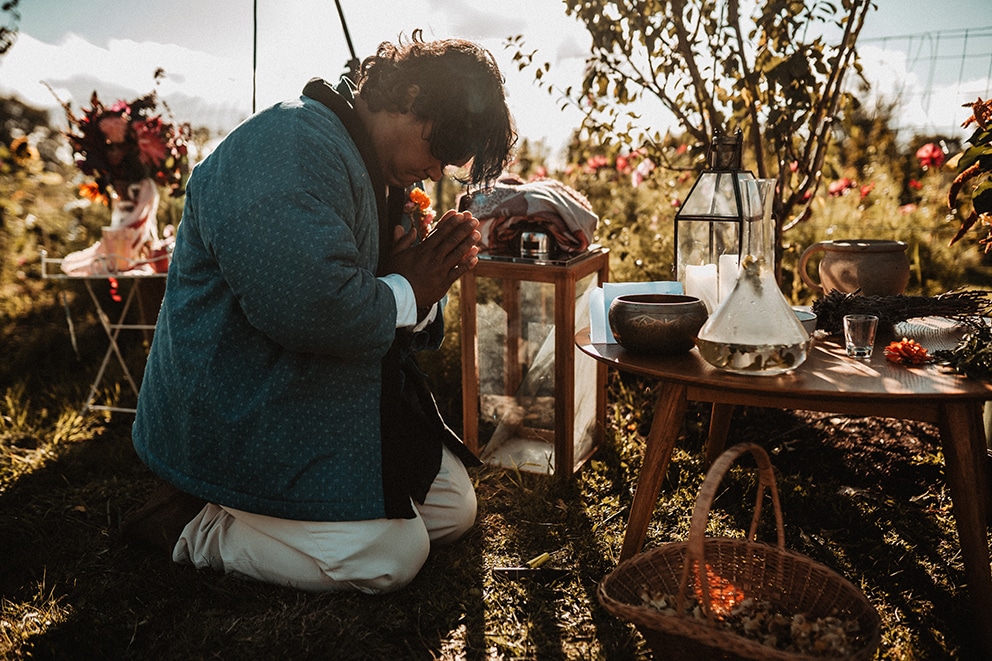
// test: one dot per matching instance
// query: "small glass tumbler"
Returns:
(859, 334)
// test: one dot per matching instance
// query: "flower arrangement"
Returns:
(418, 207)
(130, 151)
(126, 142)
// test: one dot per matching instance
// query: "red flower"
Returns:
(867, 189)
(930, 155)
(915, 185)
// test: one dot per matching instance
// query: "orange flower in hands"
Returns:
(418, 207)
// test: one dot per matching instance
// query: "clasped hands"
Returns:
(432, 265)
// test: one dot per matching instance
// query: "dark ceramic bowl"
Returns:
(663, 324)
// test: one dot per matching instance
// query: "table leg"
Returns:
(716, 442)
(112, 331)
(668, 414)
(963, 439)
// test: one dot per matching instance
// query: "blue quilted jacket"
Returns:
(262, 388)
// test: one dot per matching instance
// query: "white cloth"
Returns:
(374, 556)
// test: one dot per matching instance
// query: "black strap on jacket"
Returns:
(412, 428)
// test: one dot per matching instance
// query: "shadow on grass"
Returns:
(63, 555)
(880, 519)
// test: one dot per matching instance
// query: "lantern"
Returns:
(709, 224)
(540, 400)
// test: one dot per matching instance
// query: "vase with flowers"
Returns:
(130, 151)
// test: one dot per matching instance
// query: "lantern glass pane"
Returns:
(518, 393)
(704, 241)
(713, 195)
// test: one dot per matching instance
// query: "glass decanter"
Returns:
(755, 330)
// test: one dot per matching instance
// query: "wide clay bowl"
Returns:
(662, 324)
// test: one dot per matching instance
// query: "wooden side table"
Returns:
(831, 382)
(568, 281)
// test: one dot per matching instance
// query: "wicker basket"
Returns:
(791, 582)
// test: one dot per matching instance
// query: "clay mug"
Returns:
(877, 267)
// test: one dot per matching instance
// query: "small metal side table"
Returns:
(521, 370)
(50, 270)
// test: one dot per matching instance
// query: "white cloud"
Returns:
(211, 87)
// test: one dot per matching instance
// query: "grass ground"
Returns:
(864, 496)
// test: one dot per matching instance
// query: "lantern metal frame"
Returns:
(713, 214)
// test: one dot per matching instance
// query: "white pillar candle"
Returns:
(728, 275)
(701, 282)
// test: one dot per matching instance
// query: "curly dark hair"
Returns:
(461, 93)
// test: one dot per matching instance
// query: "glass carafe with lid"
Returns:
(755, 330)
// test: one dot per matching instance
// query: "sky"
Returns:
(206, 50)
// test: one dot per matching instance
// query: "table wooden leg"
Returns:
(668, 414)
(716, 442)
(963, 439)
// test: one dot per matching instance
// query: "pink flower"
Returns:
(908, 208)
(930, 155)
(641, 172)
(151, 147)
(837, 188)
(540, 172)
(114, 127)
(867, 188)
(594, 163)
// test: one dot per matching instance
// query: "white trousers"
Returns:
(372, 556)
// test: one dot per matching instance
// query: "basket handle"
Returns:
(704, 502)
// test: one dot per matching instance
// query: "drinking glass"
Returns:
(859, 334)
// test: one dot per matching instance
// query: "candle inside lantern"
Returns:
(728, 275)
(701, 282)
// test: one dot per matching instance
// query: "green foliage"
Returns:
(974, 170)
(770, 74)
(635, 221)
